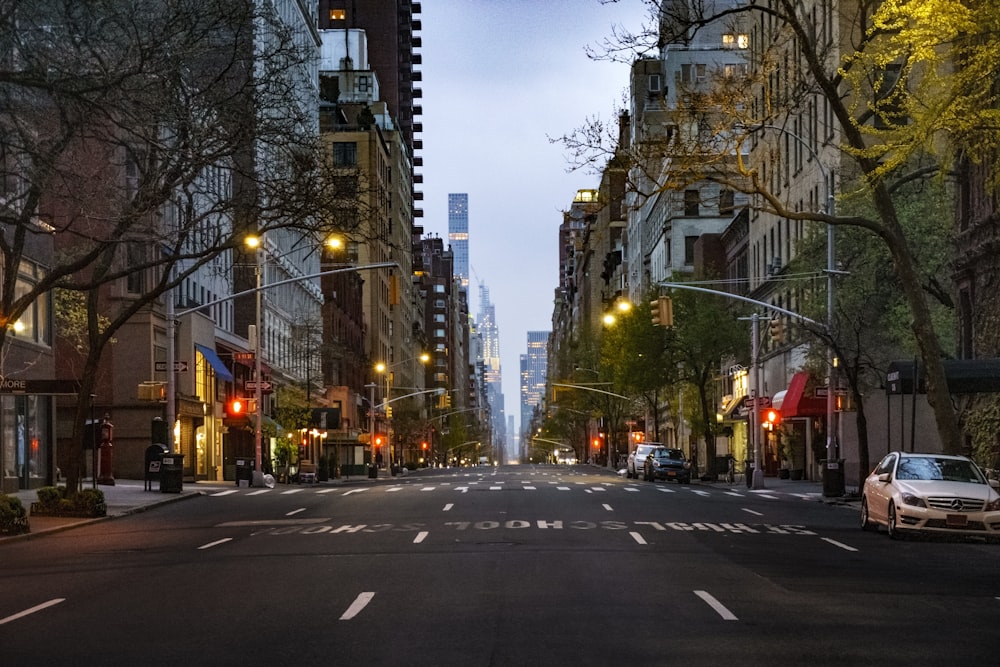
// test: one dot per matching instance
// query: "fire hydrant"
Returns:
(105, 456)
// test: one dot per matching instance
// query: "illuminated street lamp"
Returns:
(386, 370)
(255, 243)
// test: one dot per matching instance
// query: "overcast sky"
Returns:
(499, 79)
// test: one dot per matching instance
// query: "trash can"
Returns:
(154, 461)
(748, 468)
(172, 473)
(833, 478)
(244, 470)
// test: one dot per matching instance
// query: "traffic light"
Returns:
(597, 443)
(423, 445)
(662, 312)
(237, 411)
(388, 412)
(236, 407)
(777, 329)
(772, 417)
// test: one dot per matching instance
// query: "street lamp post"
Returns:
(372, 469)
(258, 348)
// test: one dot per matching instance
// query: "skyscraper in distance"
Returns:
(458, 234)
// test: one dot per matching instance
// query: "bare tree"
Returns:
(147, 139)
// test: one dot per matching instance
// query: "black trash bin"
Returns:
(154, 461)
(172, 473)
(748, 468)
(833, 478)
(244, 470)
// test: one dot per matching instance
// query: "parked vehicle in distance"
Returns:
(667, 463)
(637, 458)
(934, 493)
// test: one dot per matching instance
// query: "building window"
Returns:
(439, 333)
(345, 154)
(726, 203)
(691, 201)
(689, 242)
(734, 41)
(338, 15)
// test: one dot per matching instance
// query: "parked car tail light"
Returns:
(912, 499)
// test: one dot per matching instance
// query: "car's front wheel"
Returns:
(890, 522)
(866, 523)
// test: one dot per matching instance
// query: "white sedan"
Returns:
(938, 493)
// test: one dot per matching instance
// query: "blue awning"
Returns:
(215, 362)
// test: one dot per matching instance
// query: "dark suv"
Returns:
(667, 463)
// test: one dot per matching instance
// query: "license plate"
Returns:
(671, 473)
(956, 520)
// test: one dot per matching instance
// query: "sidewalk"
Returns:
(125, 497)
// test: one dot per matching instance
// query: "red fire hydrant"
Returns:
(105, 457)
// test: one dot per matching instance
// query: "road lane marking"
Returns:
(427, 488)
(496, 488)
(598, 488)
(448, 507)
(733, 493)
(562, 488)
(394, 489)
(701, 493)
(215, 543)
(28, 612)
(663, 489)
(347, 493)
(301, 509)
(359, 604)
(223, 493)
(324, 491)
(608, 507)
(638, 538)
(631, 488)
(839, 544)
(290, 492)
(529, 488)
(463, 489)
(719, 608)
(750, 511)
(421, 536)
(258, 492)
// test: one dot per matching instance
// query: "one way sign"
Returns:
(250, 385)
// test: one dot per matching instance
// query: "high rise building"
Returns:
(534, 369)
(486, 324)
(458, 234)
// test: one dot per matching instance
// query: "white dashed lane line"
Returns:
(32, 610)
(447, 508)
(719, 608)
(215, 543)
(608, 507)
(357, 606)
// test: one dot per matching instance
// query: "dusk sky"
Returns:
(499, 79)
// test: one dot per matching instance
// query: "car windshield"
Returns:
(937, 469)
(673, 454)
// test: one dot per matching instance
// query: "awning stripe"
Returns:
(215, 362)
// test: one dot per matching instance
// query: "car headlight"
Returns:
(687, 465)
(913, 499)
(994, 505)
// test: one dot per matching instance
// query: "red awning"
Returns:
(797, 404)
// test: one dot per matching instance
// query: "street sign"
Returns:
(762, 402)
(179, 366)
(265, 387)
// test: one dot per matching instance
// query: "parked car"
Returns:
(637, 459)
(934, 493)
(667, 463)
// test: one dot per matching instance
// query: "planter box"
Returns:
(37, 509)
(16, 527)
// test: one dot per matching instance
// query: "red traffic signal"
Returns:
(423, 445)
(771, 418)
(236, 407)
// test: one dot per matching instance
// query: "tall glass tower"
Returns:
(458, 234)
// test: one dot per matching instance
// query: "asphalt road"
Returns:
(521, 565)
